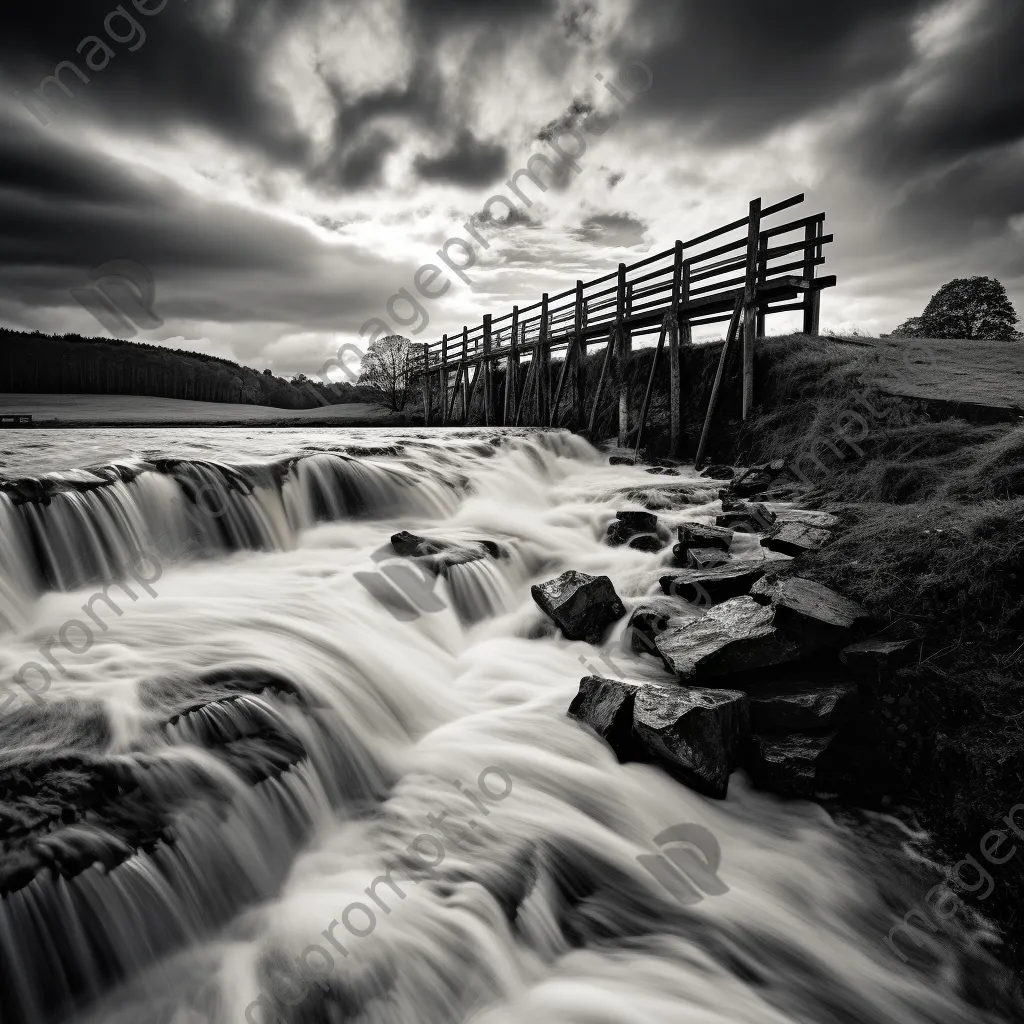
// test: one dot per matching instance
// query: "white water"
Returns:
(386, 710)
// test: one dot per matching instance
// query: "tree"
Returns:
(967, 307)
(386, 371)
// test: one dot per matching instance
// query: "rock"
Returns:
(606, 706)
(695, 734)
(644, 626)
(719, 472)
(787, 765)
(734, 637)
(620, 460)
(807, 516)
(409, 545)
(582, 606)
(796, 538)
(869, 656)
(746, 517)
(697, 535)
(637, 529)
(811, 611)
(756, 479)
(786, 707)
(714, 585)
(699, 558)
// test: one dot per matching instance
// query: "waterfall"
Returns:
(261, 790)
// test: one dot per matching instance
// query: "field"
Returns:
(102, 410)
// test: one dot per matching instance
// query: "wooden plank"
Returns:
(444, 380)
(675, 382)
(512, 371)
(455, 391)
(471, 394)
(762, 274)
(812, 301)
(713, 400)
(605, 364)
(563, 376)
(465, 376)
(543, 375)
(426, 386)
(488, 388)
(622, 360)
(750, 306)
(669, 318)
(579, 398)
(531, 373)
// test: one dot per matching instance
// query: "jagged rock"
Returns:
(786, 707)
(795, 538)
(443, 553)
(811, 611)
(714, 585)
(582, 606)
(718, 472)
(620, 460)
(644, 626)
(700, 558)
(697, 535)
(746, 517)
(637, 529)
(734, 637)
(755, 480)
(695, 734)
(877, 655)
(787, 765)
(606, 705)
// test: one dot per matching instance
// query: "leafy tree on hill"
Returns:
(967, 307)
(386, 371)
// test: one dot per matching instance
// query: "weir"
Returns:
(766, 269)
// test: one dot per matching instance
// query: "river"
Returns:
(206, 777)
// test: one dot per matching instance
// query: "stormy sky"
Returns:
(284, 167)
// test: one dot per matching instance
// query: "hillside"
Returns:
(141, 410)
(72, 365)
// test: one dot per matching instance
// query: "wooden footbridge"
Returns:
(767, 269)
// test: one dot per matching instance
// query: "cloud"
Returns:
(612, 230)
(469, 161)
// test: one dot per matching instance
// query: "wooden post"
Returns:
(606, 363)
(444, 380)
(762, 275)
(543, 357)
(579, 399)
(675, 384)
(465, 376)
(488, 389)
(812, 300)
(665, 325)
(621, 311)
(750, 305)
(730, 335)
(512, 373)
(426, 385)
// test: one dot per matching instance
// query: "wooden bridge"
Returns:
(767, 269)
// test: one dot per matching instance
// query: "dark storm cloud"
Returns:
(971, 102)
(612, 230)
(191, 69)
(738, 70)
(470, 161)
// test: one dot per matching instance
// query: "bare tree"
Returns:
(386, 371)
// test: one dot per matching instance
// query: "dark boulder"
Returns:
(409, 545)
(870, 656)
(644, 626)
(787, 765)
(715, 584)
(440, 554)
(582, 606)
(620, 460)
(606, 706)
(755, 480)
(732, 638)
(796, 536)
(637, 529)
(718, 472)
(695, 734)
(801, 706)
(811, 611)
(747, 517)
(697, 535)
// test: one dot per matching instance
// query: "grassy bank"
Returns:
(932, 507)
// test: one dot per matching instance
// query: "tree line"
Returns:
(70, 364)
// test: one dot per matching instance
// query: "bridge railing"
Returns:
(751, 264)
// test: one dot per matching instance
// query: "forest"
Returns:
(72, 365)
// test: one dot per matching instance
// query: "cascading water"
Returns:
(276, 775)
